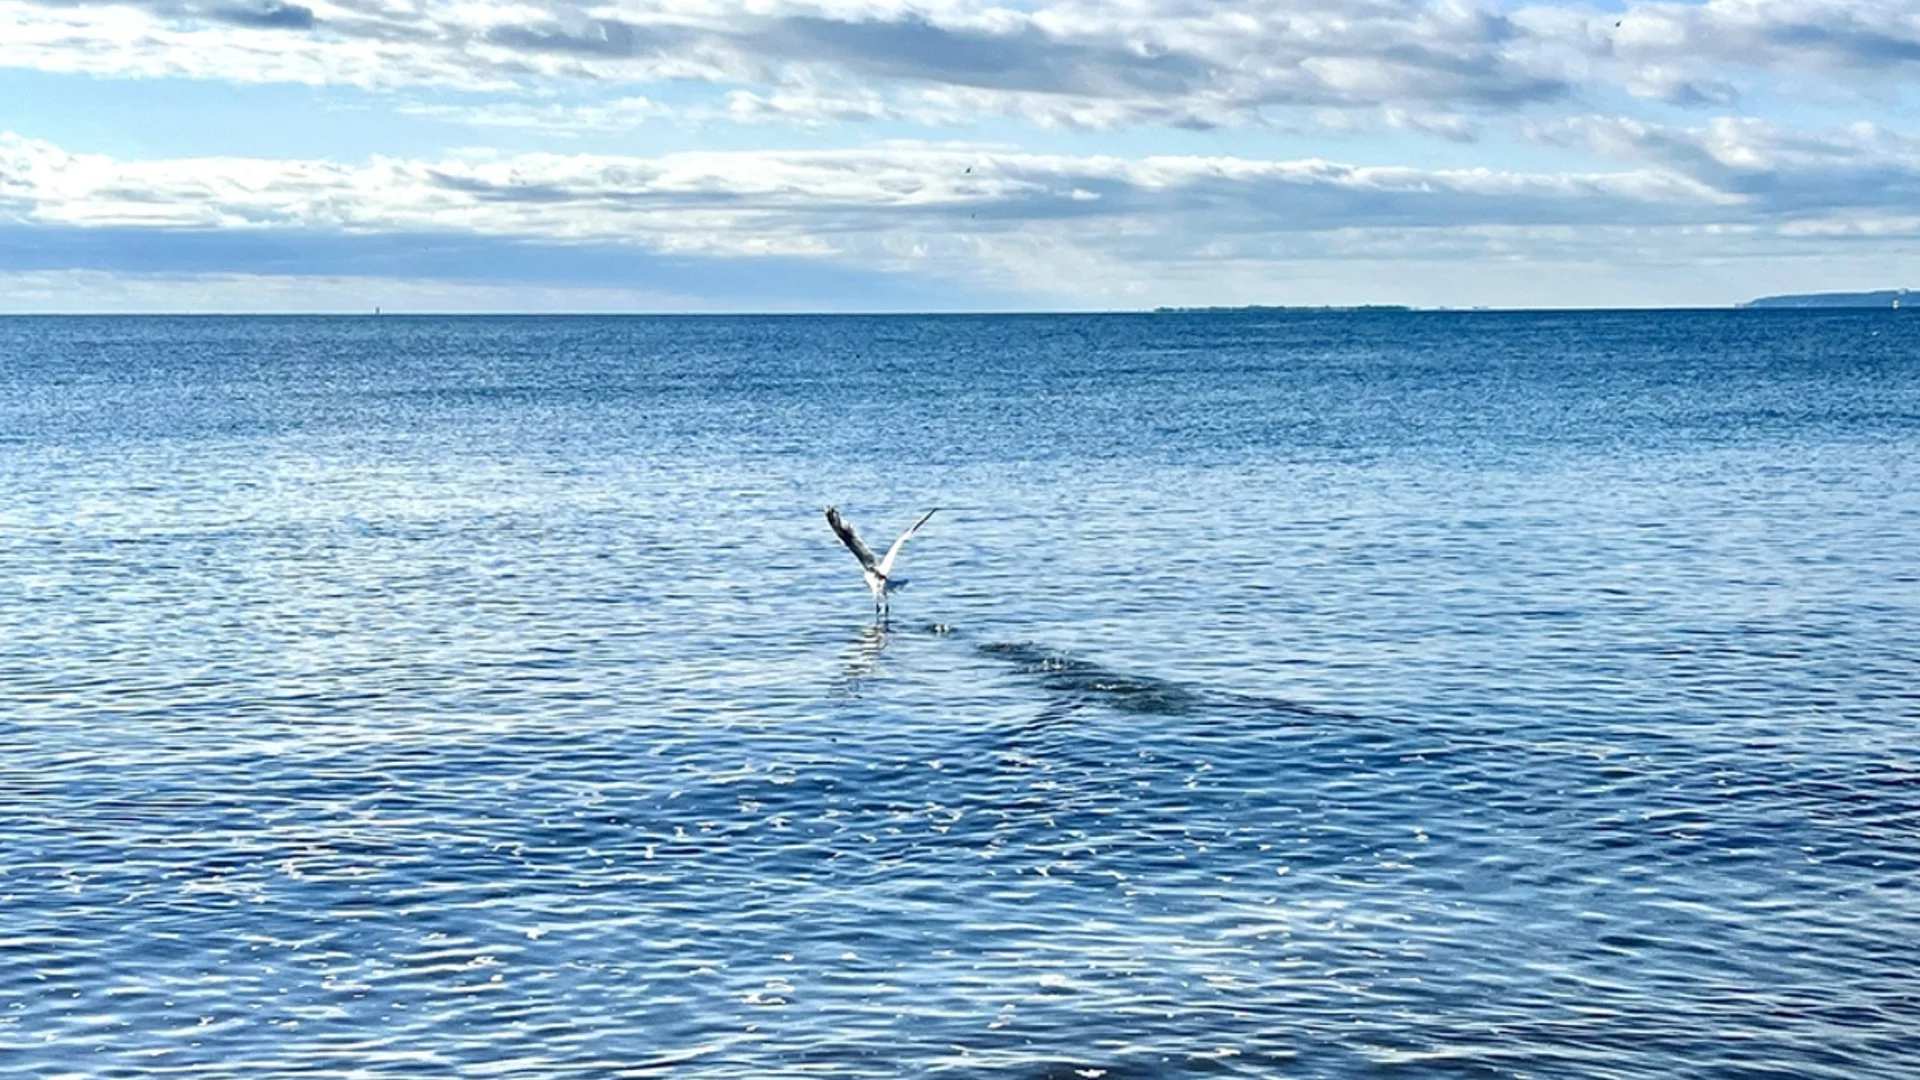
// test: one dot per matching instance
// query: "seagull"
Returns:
(878, 572)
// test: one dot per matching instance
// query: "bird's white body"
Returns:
(879, 585)
(877, 572)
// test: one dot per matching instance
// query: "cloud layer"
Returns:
(1161, 62)
(1456, 139)
(1064, 230)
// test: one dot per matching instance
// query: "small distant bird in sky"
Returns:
(878, 572)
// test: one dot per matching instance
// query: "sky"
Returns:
(950, 155)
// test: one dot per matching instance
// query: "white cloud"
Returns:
(1054, 229)
(802, 203)
(1054, 63)
(100, 292)
(1710, 191)
(1061, 64)
(1443, 65)
(1700, 53)
(1771, 170)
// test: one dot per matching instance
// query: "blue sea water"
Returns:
(1317, 695)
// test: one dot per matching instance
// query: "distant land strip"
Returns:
(1885, 298)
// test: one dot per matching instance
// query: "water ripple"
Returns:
(1345, 697)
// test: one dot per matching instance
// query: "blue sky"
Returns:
(860, 155)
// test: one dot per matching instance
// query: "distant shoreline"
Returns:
(1893, 299)
(1883, 298)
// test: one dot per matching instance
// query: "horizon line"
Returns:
(1250, 309)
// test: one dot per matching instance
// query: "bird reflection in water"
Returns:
(861, 659)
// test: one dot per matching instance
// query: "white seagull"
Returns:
(878, 572)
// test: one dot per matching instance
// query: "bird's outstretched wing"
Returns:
(886, 565)
(852, 539)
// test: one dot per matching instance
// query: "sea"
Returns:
(1274, 694)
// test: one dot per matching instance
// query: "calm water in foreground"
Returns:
(1426, 695)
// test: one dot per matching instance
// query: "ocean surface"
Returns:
(1299, 695)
